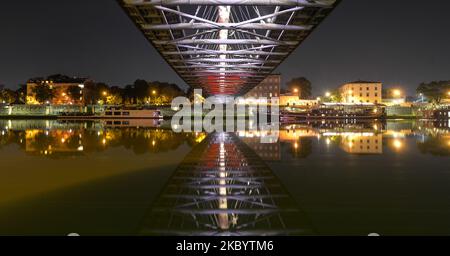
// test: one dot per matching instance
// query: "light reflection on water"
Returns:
(82, 171)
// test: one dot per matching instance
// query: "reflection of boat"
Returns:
(129, 113)
(123, 123)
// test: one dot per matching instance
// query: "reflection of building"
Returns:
(267, 151)
(268, 88)
(363, 144)
(61, 89)
(362, 92)
(292, 134)
(53, 142)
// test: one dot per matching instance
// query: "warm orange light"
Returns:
(398, 144)
(397, 93)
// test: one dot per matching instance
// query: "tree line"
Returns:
(139, 92)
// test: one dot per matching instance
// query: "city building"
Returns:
(62, 87)
(268, 88)
(362, 92)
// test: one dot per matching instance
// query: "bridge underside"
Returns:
(226, 47)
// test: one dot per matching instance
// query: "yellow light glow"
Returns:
(328, 94)
(398, 144)
(397, 93)
(296, 145)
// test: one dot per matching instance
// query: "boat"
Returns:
(129, 113)
(335, 112)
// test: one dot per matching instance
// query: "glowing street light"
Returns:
(397, 93)
(105, 93)
(328, 94)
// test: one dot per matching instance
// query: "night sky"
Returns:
(400, 43)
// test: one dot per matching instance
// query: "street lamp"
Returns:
(328, 94)
(397, 93)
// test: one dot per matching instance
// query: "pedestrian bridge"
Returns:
(226, 47)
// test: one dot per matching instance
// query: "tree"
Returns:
(435, 91)
(115, 96)
(95, 92)
(43, 93)
(7, 96)
(303, 86)
(335, 96)
(21, 94)
(75, 93)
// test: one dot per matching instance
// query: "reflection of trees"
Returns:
(435, 146)
(302, 148)
(42, 141)
(68, 143)
(143, 141)
(12, 137)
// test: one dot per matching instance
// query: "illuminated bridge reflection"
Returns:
(223, 188)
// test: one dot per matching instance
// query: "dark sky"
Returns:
(398, 42)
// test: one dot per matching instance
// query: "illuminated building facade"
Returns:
(61, 91)
(362, 92)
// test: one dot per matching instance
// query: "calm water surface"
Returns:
(322, 178)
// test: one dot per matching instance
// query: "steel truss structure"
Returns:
(224, 188)
(226, 47)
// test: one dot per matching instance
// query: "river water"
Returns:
(318, 178)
